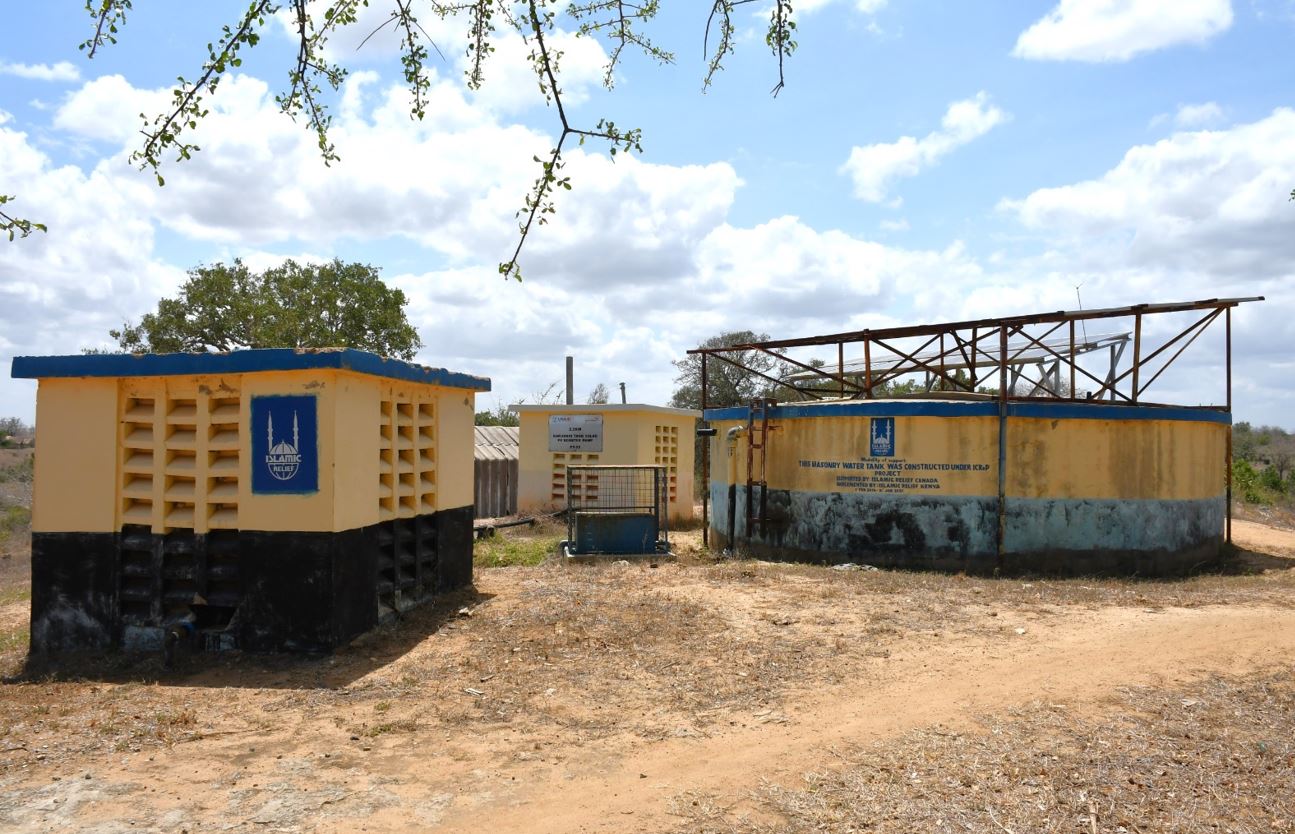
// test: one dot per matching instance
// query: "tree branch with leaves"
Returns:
(17, 226)
(618, 24)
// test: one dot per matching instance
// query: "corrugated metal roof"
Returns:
(498, 435)
(495, 453)
(497, 442)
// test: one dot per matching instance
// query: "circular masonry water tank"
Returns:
(1085, 488)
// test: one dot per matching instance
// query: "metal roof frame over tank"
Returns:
(1027, 358)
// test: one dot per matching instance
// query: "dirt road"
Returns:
(1078, 662)
(601, 700)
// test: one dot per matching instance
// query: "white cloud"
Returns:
(782, 277)
(642, 260)
(61, 291)
(510, 85)
(873, 168)
(1198, 215)
(638, 265)
(1199, 200)
(509, 82)
(108, 109)
(451, 186)
(62, 71)
(862, 6)
(1117, 30)
(1198, 115)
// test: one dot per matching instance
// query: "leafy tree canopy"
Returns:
(497, 416)
(229, 307)
(728, 385)
(13, 427)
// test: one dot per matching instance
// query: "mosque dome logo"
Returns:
(882, 436)
(283, 458)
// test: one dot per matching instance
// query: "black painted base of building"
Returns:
(254, 590)
(1161, 563)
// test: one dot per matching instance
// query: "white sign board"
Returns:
(575, 433)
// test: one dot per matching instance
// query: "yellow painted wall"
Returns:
(933, 455)
(174, 452)
(76, 456)
(411, 449)
(180, 452)
(355, 470)
(313, 511)
(630, 437)
(1068, 458)
(1170, 459)
(457, 467)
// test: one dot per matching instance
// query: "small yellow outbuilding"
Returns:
(264, 499)
(556, 436)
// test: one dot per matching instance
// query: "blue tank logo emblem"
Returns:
(882, 435)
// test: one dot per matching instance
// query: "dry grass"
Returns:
(1217, 757)
(574, 644)
(1281, 516)
(581, 662)
(602, 650)
(16, 466)
(944, 592)
(592, 650)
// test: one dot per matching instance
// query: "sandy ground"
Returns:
(1262, 538)
(604, 699)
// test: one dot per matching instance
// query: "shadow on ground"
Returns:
(368, 652)
(1244, 562)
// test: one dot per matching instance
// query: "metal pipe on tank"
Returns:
(1002, 441)
(705, 463)
(733, 435)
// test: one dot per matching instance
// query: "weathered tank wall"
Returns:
(1089, 488)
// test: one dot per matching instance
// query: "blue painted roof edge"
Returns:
(238, 362)
(945, 408)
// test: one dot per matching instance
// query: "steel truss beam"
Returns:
(970, 346)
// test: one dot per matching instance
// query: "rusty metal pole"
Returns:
(1002, 440)
(867, 368)
(840, 365)
(1227, 327)
(750, 471)
(1137, 352)
(705, 465)
(975, 345)
(942, 362)
(1073, 393)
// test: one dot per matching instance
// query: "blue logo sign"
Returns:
(882, 437)
(285, 445)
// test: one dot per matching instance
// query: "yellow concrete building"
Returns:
(269, 499)
(556, 436)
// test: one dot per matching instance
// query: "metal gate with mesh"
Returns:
(617, 510)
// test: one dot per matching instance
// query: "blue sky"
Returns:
(926, 161)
